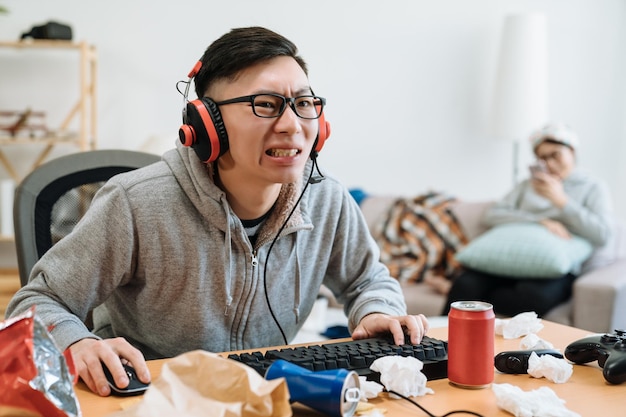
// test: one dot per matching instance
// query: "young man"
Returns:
(224, 244)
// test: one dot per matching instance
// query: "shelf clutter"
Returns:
(29, 126)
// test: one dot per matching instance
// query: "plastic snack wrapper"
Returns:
(36, 379)
(201, 384)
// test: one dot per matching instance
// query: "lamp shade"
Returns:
(520, 103)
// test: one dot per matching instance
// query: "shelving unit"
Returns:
(84, 109)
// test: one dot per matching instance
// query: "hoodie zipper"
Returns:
(255, 260)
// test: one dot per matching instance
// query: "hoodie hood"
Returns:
(196, 180)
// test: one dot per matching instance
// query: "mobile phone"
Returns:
(538, 166)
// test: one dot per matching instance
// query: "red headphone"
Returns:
(203, 128)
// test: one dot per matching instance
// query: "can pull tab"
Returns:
(353, 395)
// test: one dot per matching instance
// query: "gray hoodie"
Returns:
(164, 253)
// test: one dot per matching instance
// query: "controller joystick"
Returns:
(516, 361)
(608, 349)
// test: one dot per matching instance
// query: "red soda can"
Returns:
(471, 337)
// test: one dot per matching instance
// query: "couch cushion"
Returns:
(527, 250)
(613, 249)
(422, 299)
(376, 210)
(469, 215)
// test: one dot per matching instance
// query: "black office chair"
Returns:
(52, 198)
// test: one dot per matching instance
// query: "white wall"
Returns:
(408, 82)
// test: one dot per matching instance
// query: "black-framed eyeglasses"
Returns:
(556, 155)
(273, 105)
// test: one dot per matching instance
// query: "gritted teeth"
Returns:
(282, 152)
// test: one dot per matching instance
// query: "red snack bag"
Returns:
(35, 377)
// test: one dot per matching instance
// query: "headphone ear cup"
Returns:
(203, 130)
(322, 134)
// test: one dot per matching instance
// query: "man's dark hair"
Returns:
(239, 49)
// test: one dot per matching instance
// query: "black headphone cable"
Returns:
(311, 180)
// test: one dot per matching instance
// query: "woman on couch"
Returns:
(559, 196)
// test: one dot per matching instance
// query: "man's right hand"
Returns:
(89, 355)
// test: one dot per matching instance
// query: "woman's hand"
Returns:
(550, 187)
(89, 354)
(376, 324)
(556, 227)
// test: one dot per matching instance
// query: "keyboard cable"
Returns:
(471, 413)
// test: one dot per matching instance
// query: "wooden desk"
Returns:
(586, 392)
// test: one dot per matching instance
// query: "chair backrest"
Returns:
(52, 198)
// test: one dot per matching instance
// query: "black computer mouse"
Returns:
(135, 386)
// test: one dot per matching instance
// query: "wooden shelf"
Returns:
(44, 140)
(84, 109)
(42, 43)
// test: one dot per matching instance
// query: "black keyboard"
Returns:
(354, 355)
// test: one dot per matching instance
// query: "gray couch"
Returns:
(598, 303)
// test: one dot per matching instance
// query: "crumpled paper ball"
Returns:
(402, 375)
(534, 342)
(541, 402)
(555, 369)
(369, 389)
(519, 325)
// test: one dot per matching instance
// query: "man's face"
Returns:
(268, 151)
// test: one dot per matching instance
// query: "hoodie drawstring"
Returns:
(297, 289)
(228, 260)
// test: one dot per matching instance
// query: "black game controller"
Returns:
(608, 349)
(516, 361)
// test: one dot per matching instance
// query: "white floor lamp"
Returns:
(520, 102)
